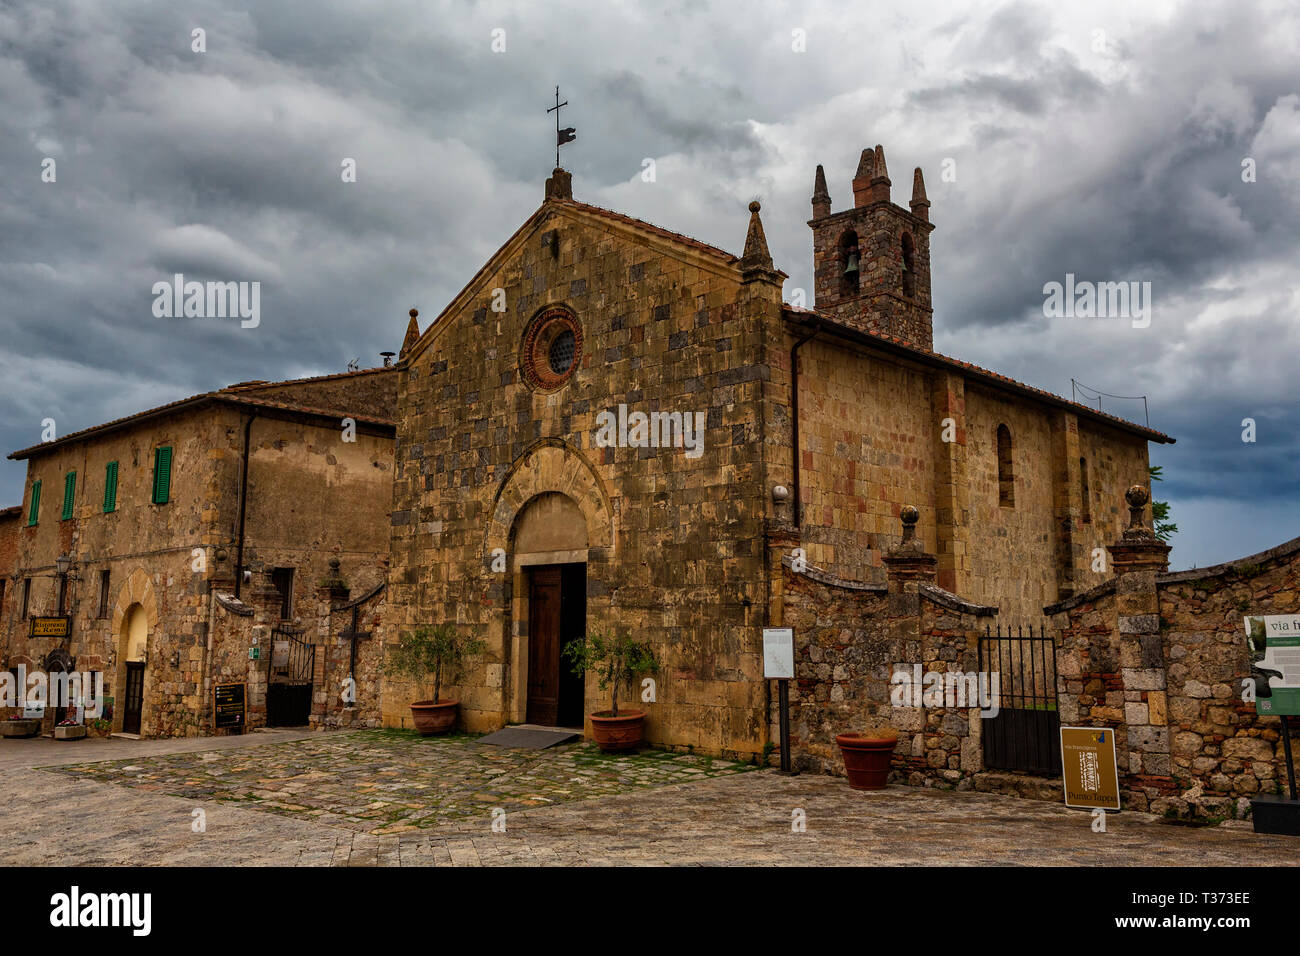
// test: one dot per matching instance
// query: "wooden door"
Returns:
(544, 645)
(133, 703)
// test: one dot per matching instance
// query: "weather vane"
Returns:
(562, 136)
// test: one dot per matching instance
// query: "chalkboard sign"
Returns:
(230, 710)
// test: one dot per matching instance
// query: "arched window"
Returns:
(849, 264)
(1083, 491)
(1006, 475)
(909, 265)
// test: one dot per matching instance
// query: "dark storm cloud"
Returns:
(1115, 165)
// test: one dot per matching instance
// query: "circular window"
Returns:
(560, 354)
(552, 349)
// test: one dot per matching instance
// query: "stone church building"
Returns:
(614, 426)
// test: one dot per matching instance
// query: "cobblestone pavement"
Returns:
(387, 781)
(650, 811)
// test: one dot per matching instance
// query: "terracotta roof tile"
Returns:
(238, 394)
(995, 377)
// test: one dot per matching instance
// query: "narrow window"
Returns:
(110, 487)
(69, 494)
(27, 597)
(162, 474)
(849, 264)
(1006, 476)
(34, 509)
(909, 265)
(1083, 490)
(3, 582)
(282, 578)
(103, 592)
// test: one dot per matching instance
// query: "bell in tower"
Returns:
(872, 262)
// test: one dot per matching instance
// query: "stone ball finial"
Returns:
(754, 206)
(1137, 497)
(334, 562)
(415, 313)
(910, 515)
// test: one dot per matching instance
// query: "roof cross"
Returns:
(562, 136)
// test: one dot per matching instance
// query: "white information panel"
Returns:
(778, 653)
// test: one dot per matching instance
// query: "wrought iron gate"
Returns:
(1025, 734)
(289, 692)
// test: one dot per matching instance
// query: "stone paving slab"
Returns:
(70, 816)
(387, 781)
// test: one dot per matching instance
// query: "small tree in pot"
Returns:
(433, 655)
(618, 662)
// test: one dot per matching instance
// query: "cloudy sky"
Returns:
(1102, 139)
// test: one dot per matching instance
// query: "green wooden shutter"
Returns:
(110, 487)
(69, 494)
(162, 474)
(34, 512)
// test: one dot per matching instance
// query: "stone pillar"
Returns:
(331, 593)
(951, 489)
(1067, 505)
(1138, 558)
(907, 567)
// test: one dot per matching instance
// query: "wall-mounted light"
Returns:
(176, 658)
(780, 493)
(62, 563)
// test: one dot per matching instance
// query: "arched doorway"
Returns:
(550, 556)
(132, 658)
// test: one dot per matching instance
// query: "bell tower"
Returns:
(872, 262)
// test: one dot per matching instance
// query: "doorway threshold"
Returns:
(556, 728)
(127, 736)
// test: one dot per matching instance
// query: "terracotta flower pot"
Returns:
(867, 758)
(26, 727)
(613, 734)
(434, 717)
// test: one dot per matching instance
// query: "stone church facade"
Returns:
(516, 517)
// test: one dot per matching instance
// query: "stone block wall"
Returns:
(872, 437)
(850, 637)
(1160, 657)
(1222, 752)
(334, 650)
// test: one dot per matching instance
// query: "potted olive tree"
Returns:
(617, 661)
(867, 755)
(432, 656)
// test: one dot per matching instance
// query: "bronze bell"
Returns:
(852, 267)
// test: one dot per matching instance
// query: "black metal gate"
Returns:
(289, 692)
(1025, 734)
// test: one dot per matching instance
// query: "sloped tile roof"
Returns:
(241, 394)
(995, 378)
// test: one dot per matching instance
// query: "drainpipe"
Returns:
(794, 419)
(243, 505)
